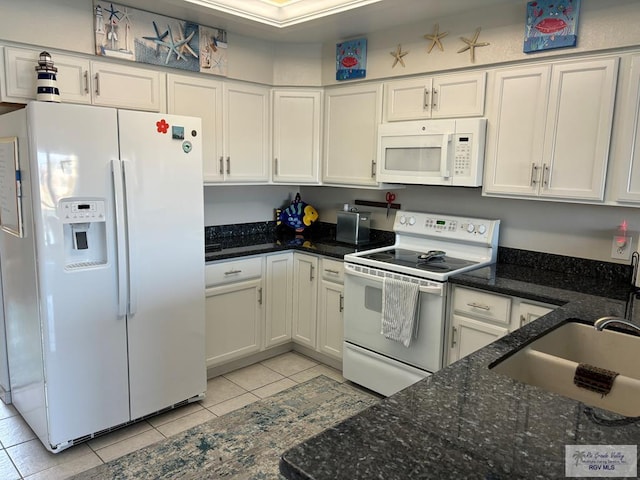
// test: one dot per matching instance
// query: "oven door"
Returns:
(387, 361)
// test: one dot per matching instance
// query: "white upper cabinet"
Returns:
(84, 81)
(201, 97)
(628, 137)
(20, 76)
(549, 130)
(296, 135)
(444, 96)
(122, 86)
(351, 119)
(246, 132)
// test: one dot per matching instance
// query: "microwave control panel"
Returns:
(462, 155)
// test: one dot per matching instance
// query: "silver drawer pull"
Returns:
(334, 272)
(232, 272)
(453, 336)
(479, 305)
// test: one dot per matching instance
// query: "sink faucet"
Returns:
(602, 323)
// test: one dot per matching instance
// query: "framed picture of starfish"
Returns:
(141, 36)
(551, 24)
(351, 59)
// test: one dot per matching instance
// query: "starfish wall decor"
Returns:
(397, 56)
(435, 38)
(472, 44)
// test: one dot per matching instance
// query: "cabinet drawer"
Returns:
(332, 270)
(231, 271)
(482, 304)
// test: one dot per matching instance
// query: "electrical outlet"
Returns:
(621, 247)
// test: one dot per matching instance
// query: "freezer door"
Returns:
(82, 338)
(162, 164)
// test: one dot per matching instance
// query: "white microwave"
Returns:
(432, 152)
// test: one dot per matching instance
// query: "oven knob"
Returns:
(412, 220)
(470, 227)
(403, 220)
(482, 229)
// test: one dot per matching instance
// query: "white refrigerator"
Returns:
(104, 290)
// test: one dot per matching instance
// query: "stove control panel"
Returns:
(448, 226)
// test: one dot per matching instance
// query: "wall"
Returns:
(584, 231)
(602, 25)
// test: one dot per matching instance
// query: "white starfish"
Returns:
(472, 44)
(185, 45)
(435, 38)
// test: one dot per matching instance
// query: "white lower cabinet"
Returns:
(305, 299)
(330, 308)
(234, 313)
(278, 298)
(478, 318)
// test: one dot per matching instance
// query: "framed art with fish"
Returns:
(351, 59)
(551, 24)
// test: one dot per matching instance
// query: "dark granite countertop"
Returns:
(467, 421)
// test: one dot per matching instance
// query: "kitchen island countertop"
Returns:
(466, 421)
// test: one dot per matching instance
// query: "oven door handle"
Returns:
(428, 289)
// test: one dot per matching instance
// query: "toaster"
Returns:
(353, 227)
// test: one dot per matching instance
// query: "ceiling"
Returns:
(310, 21)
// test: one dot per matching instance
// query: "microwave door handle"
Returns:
(444, 158)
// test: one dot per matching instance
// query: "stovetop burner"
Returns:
(433, 260)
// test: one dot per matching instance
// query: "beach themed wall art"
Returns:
(132, 34)
(551, 24)
(351, 59)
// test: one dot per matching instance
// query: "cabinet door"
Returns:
(351, 119)
(20, 81)
(528, 312)
(246, 132)
(578, 129)
(629, 138)
(458, 95)
(201, 97)
(296, 136)
(469, 335)
(407, 99)
(515, 131)
(121, 86)
(278, 298)
(233, 320)
(330, 319)
(305, 299)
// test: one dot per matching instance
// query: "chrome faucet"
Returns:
(602, 323)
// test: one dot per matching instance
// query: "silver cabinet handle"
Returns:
(221, 165)
(453, 336)
(260, 296)
(333, 272)
(545, 175)
(97, 84)
(86, 81)
(228, 165)
(534, 176)
(435, 99)
(232, 272)
(341, 302)
(479, 305)
(311, 273)
(373, 168)
(523, 320)
(426, 99)
(277, 170)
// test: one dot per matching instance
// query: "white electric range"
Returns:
(428, 248)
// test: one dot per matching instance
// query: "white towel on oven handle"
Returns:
(399, 310)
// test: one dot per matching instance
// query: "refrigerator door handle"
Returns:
(121, 251)
(129, 183)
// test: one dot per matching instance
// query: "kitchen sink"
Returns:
(550, 362)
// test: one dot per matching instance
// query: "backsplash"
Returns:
(577, 267)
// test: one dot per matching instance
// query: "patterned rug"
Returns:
(243, 444)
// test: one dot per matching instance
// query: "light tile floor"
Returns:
(22, 456)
